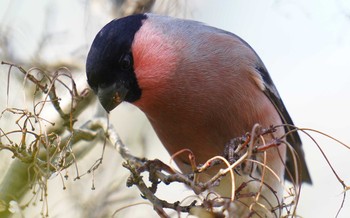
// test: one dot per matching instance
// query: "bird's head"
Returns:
(110, 65)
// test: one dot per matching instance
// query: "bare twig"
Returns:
(160, 172)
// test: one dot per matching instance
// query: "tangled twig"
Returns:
(44, 147)
(239, 150)
(244, 147)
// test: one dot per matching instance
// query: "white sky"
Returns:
(304, 44)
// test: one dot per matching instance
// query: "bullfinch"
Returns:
(199, 86)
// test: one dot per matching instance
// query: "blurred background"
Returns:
(305, 45)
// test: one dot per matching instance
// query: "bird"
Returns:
(199, 86)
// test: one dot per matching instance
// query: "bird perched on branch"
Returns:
(199, 86)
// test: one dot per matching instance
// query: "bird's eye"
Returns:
(125, 62)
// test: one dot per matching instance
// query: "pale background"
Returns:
(304, 44)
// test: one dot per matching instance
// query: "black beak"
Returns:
(111, 96)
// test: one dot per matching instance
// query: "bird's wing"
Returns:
(293, 137)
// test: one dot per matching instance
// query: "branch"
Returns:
(244, 147)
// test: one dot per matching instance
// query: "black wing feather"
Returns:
(293, 138)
